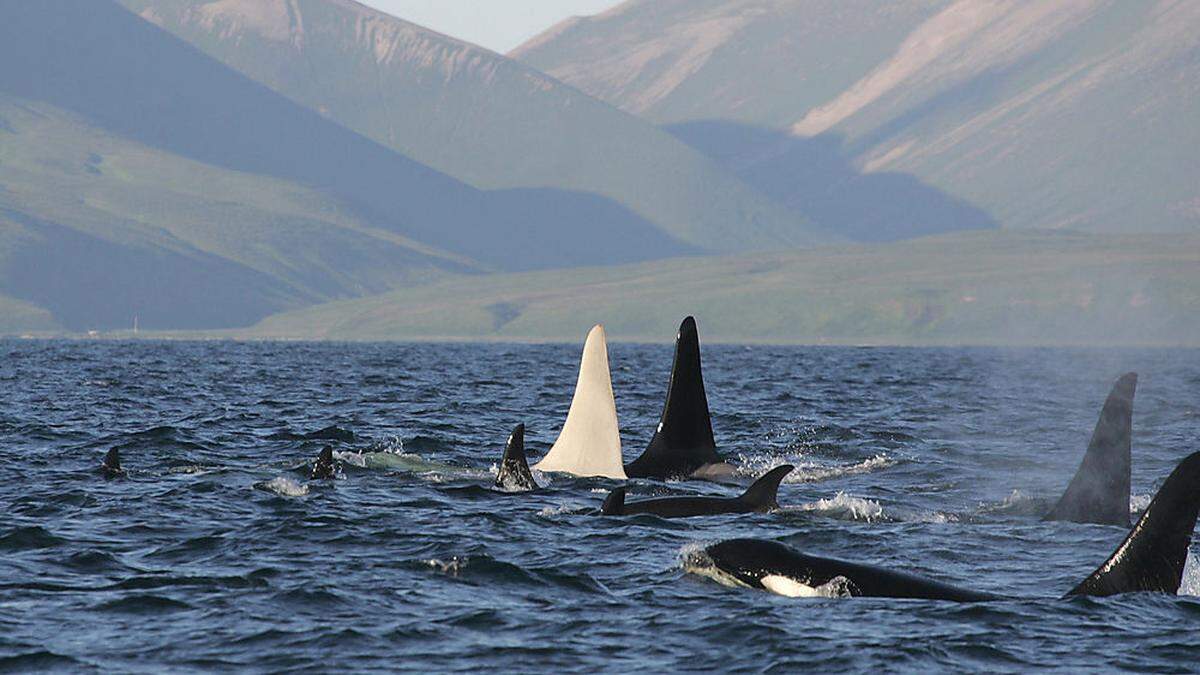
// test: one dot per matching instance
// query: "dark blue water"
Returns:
(932, 460)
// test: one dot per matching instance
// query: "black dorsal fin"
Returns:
(514, 473)
(763, 494)
(614, 503)
(112, 462)
(1152, 557)
(324, 467)
(683, 441)
(1099, 492)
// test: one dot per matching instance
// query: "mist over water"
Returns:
(216, 552)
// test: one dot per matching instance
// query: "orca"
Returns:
(111, 466)
(759, 498)
(1151, 559)
(683, 443)
(514, 474)
(1099, 492)
(324, 468)
(590, 441)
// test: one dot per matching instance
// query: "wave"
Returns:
(28, 538)
(843, 506)
(143, 604)
(38, 661)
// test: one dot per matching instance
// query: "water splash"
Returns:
(847, 507)
(808, 471)
(284, 487)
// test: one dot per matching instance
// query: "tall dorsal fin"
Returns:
(590, 441)
(764, 493)
(1099, 492)
(514, 471)
(683, 441)
(1154, 553)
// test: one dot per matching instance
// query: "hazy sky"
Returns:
(498, 25)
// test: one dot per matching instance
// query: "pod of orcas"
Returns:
(1151, 558)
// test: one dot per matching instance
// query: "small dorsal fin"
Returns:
(112, 462)
(324, 467)
(763, 494)
(614, 503)
(590, 441)
(683, 441)
(514, 473)
(1154, 553)
(1099, 492)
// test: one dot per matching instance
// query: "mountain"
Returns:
(1072, 114)
(982, 288)
(140, 177)
(477, 116)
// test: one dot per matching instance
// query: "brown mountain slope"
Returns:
(1044, 113)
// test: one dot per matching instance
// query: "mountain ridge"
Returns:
(1042, 113)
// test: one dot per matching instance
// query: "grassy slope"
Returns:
(133, 205)
(976, 288)
(476, 115)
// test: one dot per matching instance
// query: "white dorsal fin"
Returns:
(590, 441)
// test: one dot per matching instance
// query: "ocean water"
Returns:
(216, 553)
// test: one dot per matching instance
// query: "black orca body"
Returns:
(759, 498)
(111, 466)
(1099, 492)
(1151, 559)
(324, 468)
(683, 442)
(514, 473)
(772, 566)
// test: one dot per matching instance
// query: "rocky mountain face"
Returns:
(1076, 114)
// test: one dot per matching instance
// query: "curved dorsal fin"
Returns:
(763, 494)
(514, 471)
(683, 441)
(614, 503)
(1153, 555)
(1099, 492)
(590, 441)
(112, 460)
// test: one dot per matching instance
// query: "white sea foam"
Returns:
(285, 487)
(451, 567)
(559, 510)
(847, 506)
(1190, 583)
(1138, 503)
(808, 471)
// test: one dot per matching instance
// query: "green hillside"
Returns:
(476, 115)
(96, 228)
(970, 288)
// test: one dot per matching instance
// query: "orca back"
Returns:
(683, 441)
(1099, 492)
